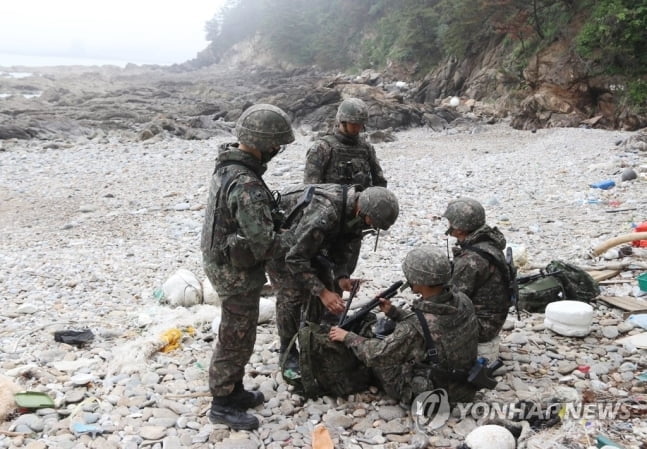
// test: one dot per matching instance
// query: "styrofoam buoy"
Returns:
(454, 101)
(490, 436)
(569, 318)
(181, 289)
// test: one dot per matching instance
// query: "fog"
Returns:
(137, 31)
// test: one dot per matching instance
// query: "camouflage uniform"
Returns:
(238, 277)
(326, 227)
(481, 281)
(398, 359)
(342, 159)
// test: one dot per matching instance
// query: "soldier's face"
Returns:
(351, 129)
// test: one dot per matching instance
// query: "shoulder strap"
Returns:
(490, 258)
(432, 354)
(344, 199)
(248, 167)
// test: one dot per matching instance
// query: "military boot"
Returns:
(225, 411)
(244, 399)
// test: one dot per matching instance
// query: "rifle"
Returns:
(532, 277)
(353, 292)
(514, 283)
(390, 292)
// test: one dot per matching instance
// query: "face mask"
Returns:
(355, 223)
(267, 156)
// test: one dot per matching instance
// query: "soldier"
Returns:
(345, 157)
(325, 233)
(238, 237)
(479, 265)
(402, 361)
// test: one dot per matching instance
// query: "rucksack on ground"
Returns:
(327, 367)
(558, 281)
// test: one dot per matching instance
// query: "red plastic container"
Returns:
(642, 227)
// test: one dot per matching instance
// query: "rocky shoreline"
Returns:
(94, 222)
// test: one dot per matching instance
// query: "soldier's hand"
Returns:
(385, 305)
(337, 333)
(347, 284)
(332, 301)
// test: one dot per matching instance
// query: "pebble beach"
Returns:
(91, 227)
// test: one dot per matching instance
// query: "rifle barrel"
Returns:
(388, 293)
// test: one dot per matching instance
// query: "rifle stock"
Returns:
(362, 312)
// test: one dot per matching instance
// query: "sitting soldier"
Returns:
(480, 269)
(432, 346)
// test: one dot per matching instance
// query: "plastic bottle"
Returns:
(604, 185)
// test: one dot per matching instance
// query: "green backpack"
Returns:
(559, 280)
(327, 367)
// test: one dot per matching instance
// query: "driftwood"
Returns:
(604, 246)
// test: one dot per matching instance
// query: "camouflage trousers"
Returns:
(490, 325)
(235, 343)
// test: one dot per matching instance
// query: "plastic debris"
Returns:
(92, 429)
(76, 338)
(490, 436)
(31, 400)
(569, 318)
(604, 185)
(321, 438)
(602, 441)
(639, 320)
(173, 337)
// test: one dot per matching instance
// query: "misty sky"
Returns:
(140, 31)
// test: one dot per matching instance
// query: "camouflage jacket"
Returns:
(326, 227)
(238, 232)
(482, 281)
(400, 359)
(341, 159)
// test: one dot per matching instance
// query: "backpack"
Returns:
(328, 367)
(578, 284)
(558, 281)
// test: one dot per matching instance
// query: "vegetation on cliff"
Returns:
(607, 35)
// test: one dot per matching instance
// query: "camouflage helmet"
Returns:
(426, 265)
(465, 214)
(380, 204)
(264, 126)
(352, 110)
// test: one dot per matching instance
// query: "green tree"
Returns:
(615, 37)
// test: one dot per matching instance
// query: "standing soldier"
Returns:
(320, 260)
(403, 362)
(480, 269)
(238, 237)
(345, 157)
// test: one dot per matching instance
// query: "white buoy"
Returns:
(454, 101)
(569, 318)
(490, 436)
(181, 289)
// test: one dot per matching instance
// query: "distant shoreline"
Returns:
(9, 60)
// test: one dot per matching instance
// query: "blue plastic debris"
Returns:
(604, 185)
(92, 429)
(639, 320)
